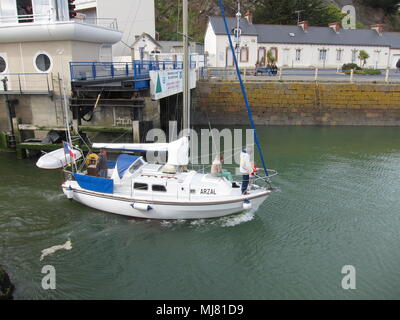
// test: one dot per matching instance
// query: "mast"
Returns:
(186, 67)
(246, 101)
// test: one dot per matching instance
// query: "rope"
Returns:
(243, 88)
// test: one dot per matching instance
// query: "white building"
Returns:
(133, 17)
(301, 45)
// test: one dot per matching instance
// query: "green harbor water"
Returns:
(338, 204)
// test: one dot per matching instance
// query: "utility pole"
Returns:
(186, 67)
(10, 112)
(238, 32)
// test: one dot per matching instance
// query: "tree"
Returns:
(389, 6)
(284, 12)
(363, 56)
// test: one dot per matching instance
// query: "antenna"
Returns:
(298, 14)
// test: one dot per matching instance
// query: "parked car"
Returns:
(271, 70)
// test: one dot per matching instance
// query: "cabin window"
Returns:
(42, 62)
(3, 64)
(140, 186)
(138, 163)
(159, 188)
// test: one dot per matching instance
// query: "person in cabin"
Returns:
(102, 163)
(245, 167)
(216, 167)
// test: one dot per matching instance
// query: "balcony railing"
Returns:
(109, 23)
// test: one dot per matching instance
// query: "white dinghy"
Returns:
(57, 159)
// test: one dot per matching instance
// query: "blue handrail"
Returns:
(246, 101)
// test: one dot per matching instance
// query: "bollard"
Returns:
(316, 74)
(280, 73)
(387, 75)
(351, 75)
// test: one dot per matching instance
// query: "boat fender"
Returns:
(141, 206)
(246, 204)
(69, 192)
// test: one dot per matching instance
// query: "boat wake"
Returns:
(228, 221)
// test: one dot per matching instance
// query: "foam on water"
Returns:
(48, 251)
(232, 221)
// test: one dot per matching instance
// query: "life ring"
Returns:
(92, 157)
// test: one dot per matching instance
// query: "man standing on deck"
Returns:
(245, 167)
(102, 164)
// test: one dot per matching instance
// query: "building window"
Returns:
(298, 54)
(339, 53)
(322, 54)
(3, 65)
(25, 12)
(229, 57)
(42, 62)
(273, 52)
(261, 56)
(159, 188)
(244, 54)
(353, 56)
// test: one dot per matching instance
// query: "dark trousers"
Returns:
(103, 173)
(245, 182)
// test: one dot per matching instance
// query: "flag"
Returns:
(68, 150)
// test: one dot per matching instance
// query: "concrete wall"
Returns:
(20, 58)
(298, 103)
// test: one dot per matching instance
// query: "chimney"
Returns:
(249, 16)
(378, 28)
(335, 26)
(303, 25)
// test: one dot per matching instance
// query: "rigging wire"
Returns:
(242, 88)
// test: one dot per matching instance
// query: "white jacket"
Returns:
(245, 163)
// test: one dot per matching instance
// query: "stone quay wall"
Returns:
(297, 103)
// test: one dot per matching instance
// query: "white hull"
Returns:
(167, 210)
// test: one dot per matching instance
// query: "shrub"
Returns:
(349, 66)
(365, 71)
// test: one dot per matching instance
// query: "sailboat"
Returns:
(136, 188)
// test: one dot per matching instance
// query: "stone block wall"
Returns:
(302, 103)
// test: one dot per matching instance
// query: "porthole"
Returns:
(3, 65)
(42, 62)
